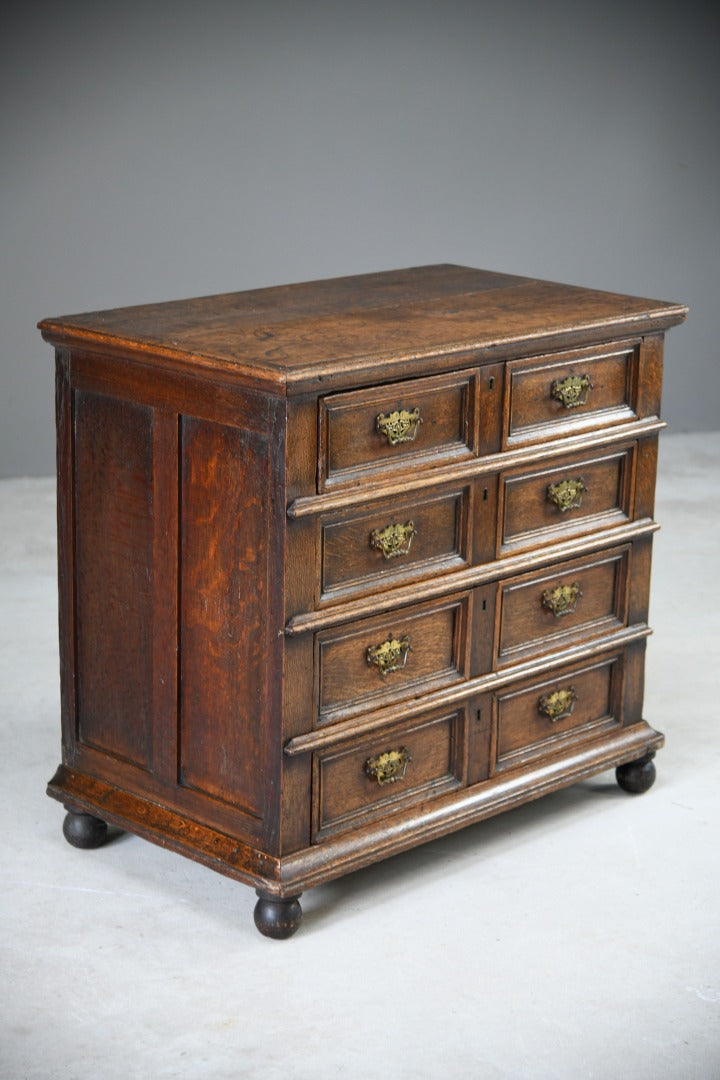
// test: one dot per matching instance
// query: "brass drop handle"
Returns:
(567, 494)
(400, 426)
(562, 600)
(558, 705)
(394, 540)
(391, 655)
(389, 767)
(571, 391)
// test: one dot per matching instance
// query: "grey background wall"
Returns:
(158, 150)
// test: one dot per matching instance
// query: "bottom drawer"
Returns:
(361, 779)
(533, 717)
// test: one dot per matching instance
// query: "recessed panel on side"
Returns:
(224, 664)
(113, 481)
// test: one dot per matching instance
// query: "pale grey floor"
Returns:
(577, 937)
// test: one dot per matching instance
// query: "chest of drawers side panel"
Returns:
(231, 614)
(225, 660)
(171, 516)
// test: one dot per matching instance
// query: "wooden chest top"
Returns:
(292, 338)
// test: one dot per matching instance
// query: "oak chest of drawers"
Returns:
(347, 565)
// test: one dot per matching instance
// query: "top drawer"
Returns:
(548, 397)
(397, 428)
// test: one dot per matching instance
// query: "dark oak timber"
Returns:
(347, 565)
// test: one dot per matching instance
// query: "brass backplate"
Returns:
(571, 391)
(389, 767)
(394, 540)
(390, 655)
(400, 426)
(562, 600)
(567, 494)
(558, 705)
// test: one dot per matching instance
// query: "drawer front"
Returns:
(553, 396)
(536, 717)
(387, 771)
(581, 495)
(391, 657)
(395, 542)
(397, 428)
(562, 605)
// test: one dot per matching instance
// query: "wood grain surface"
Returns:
(315, 330)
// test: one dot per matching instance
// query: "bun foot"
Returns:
(637, 776)
(84, 830)
(276, 918)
